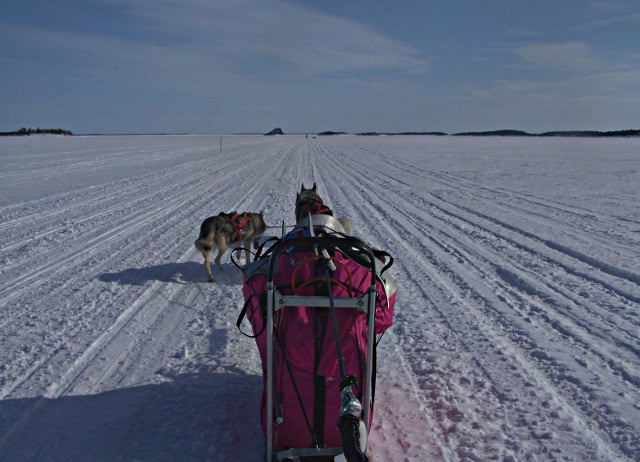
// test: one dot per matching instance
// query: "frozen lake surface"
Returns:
(517, 261)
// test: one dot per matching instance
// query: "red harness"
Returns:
(318, 208)
(238, 226)
(309, 202)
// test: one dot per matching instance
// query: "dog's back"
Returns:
(208, 230)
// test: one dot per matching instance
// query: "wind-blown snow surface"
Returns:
(516, 332)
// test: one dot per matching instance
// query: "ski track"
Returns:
(515, 335)
(529, 345)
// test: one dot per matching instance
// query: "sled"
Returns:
(297, 298)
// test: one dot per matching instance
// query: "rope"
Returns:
(317, 257)
(280, 227)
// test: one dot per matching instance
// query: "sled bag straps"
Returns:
(319, 404)
(263, 304)
(382, 255)
(319, 384)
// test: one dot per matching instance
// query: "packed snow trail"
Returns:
(516, 332)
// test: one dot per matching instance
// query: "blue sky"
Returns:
(248, 66)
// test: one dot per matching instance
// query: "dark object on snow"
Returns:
(275, 131)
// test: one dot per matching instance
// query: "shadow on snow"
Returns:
(181, 273)
(196, 416)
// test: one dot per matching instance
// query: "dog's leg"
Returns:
(247, 253)
(208, 255)
(223, 246)
(217, 260)
(206, 248)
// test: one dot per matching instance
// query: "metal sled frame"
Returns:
(277, 301)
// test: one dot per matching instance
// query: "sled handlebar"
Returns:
(350, 247)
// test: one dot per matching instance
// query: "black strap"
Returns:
(382, 255)
(374, 373)
(259, 251)
(263, 309)
(319, 384)
(319, 405)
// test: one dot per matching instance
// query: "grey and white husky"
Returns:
(225, 230)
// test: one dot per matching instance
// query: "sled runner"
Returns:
(316, 301)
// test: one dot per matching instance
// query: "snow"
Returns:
(516, 334)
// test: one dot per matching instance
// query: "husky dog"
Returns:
(227, 229)
(309, 202)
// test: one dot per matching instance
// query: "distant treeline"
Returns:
(578, 133)
(38, 131)
(575, 133)
(403, 133)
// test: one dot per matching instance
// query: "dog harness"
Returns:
(313, 205)
(238, 226)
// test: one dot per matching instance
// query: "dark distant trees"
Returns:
(38, 131)
(576, 133)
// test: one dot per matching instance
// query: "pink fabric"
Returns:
(297, 329)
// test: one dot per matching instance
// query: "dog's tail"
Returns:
(202, 245)
(347, 225)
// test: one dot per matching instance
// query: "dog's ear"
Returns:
(314, 187)
(302, 188)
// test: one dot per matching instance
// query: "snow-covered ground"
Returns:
(516, 334)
